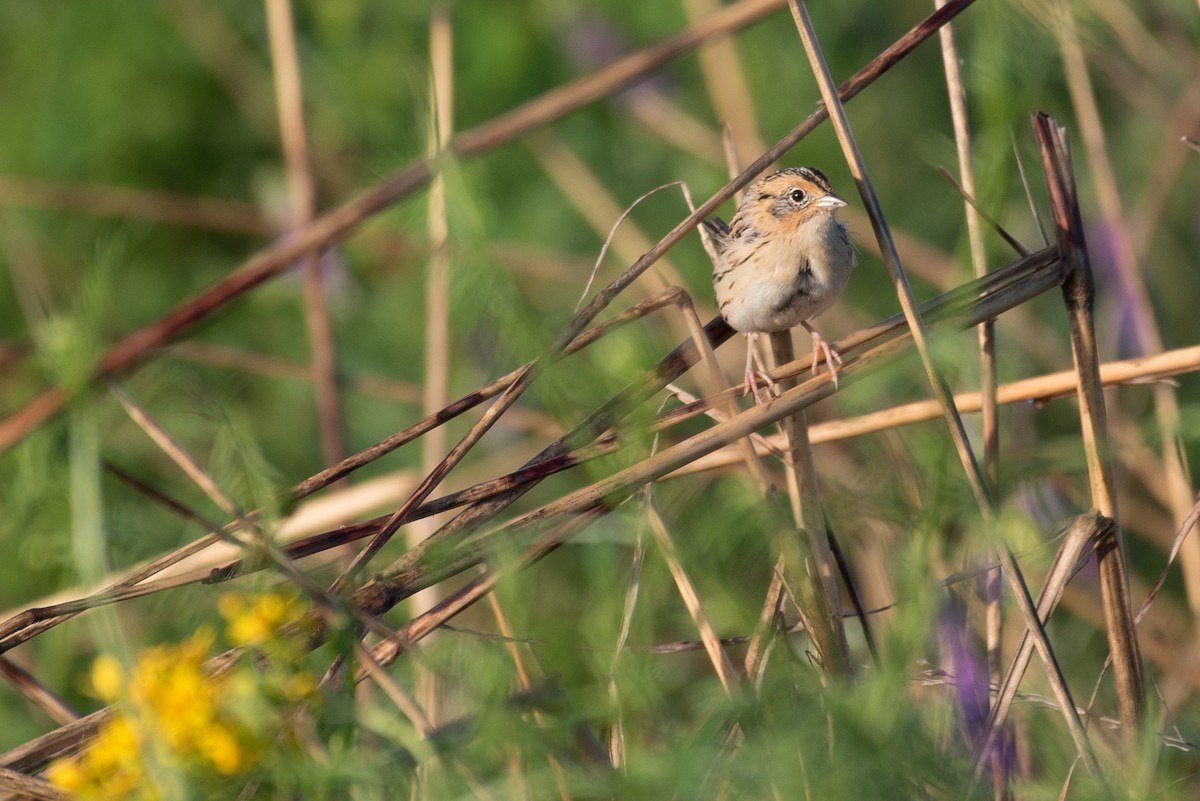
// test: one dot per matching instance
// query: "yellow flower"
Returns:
(178, 717)
(66, 775)
(259, 620)
(108, 677)
(220, 746)
(299, 686)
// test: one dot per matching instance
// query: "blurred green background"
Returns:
(176, 97)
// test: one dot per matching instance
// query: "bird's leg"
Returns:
(753, 360)
(823, 348)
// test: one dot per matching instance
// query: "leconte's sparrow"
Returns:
(784, 259)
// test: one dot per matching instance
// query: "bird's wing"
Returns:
(718, 228)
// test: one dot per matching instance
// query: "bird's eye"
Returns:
(797, 195)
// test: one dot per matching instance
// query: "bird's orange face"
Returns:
(783, 200)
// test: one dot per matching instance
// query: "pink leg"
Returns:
(755, 370)
(823, 348)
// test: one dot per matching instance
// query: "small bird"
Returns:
(783, 260)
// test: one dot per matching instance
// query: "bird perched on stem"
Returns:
(783, 260)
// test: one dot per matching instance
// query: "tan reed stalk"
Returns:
(437, 290)
(990, 410)
(1133, 286)
(27, 788)
(1082, 537)
(987, 343)
(809, 570)
(185, 211)
(1079, 295)
(435, 385)
(302, 194)
(1038, 390)
(691, 599)
(49, 702)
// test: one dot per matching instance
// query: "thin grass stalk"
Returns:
(728, 90)
(289, 98)
(185, 211)
(1133, 286)
(49, 702)
(337, 224)
(437, 290)
(852, 592)
(814, 579)
(987, 344)
(420, 721)
(1079, 295)
(1084, 532)
(587, 193)
(891, 258)
(28, 788)
(435, 386)
(994, 617)
(691, 599)
(617, 744)
(770, 622)
(1037, 390)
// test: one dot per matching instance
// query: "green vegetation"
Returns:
(142, 162)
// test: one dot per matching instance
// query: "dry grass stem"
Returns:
(908, 303)
(691, 599)
(154, 206)
(1037, 390)
(28, 788)
(1132, 284)
(1082, 536)
(49, 702)
(813, 581)
(302, 195)
(1078, 294)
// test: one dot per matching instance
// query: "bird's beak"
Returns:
(830, 202)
